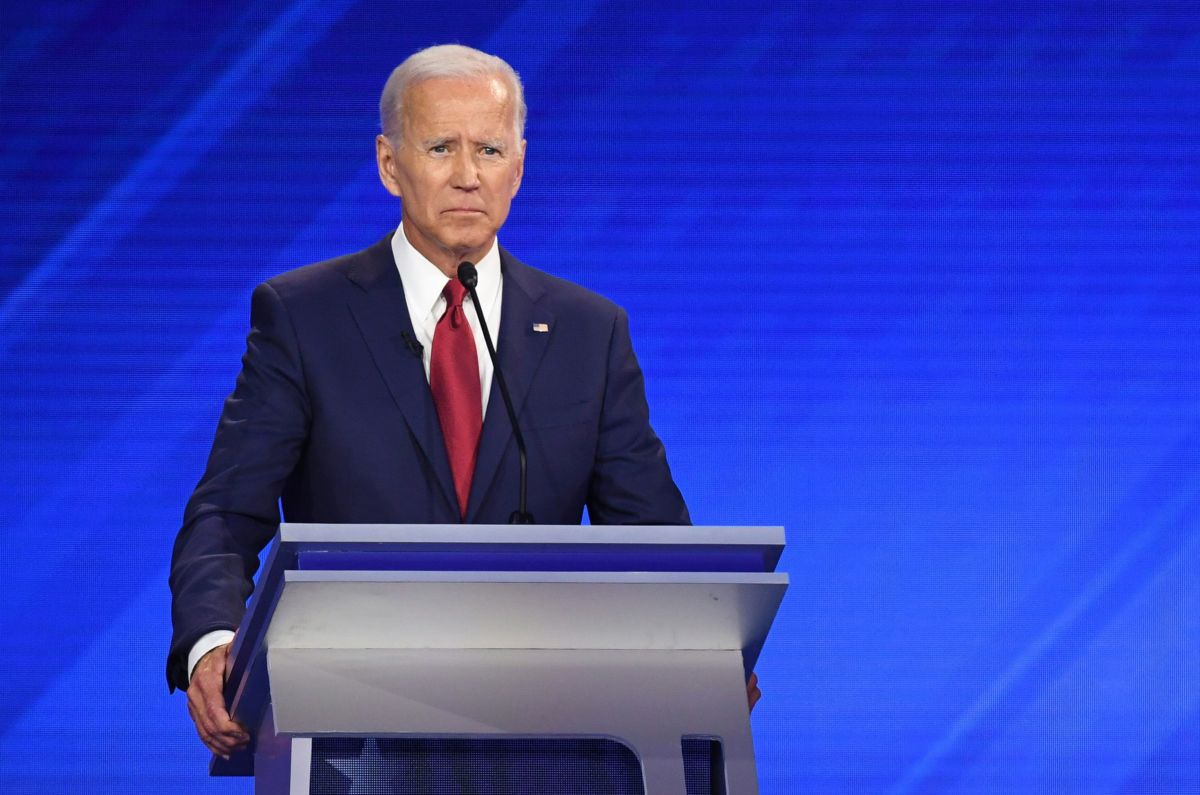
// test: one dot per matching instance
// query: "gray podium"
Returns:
(643, 635)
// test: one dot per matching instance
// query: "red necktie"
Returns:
(454, 379)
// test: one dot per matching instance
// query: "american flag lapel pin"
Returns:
(541, 328)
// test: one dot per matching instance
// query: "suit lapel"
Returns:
(381, 313)
(520, 349)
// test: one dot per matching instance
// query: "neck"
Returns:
(444, 259)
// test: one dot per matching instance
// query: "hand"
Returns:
(753, 694)
(206, 703)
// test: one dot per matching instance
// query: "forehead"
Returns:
(443, 105)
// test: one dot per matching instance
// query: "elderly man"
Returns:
(366, 390)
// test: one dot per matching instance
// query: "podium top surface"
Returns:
(431, 547)
(296, 533)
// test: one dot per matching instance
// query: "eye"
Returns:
(489, 151)
(439, 149)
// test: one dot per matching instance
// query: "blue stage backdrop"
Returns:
(920, 281)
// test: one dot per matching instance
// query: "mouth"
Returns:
(463, 211)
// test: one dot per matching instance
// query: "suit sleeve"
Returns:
(234, 511)
(631, 482)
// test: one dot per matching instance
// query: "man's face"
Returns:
(457, 167)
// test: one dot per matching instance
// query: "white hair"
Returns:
(444, 60)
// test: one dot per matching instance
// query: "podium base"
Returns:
(649, 701)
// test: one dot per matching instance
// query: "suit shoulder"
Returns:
(569, 296)
(321, 278)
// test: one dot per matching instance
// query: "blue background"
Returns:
(917, 280)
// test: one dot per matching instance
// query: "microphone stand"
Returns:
(469, 276)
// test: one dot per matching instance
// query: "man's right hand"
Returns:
(206, 703)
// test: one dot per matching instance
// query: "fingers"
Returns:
(206, 704)
(753, 694)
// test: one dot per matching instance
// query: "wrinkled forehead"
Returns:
(477, 101)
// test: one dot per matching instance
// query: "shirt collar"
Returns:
(423, 282)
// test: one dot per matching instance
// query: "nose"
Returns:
(466, 172)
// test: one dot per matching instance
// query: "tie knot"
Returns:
(454, 292)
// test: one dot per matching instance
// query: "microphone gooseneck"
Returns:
(468, 275)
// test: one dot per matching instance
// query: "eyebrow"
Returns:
(495, 143)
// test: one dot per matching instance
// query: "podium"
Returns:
(634, 634)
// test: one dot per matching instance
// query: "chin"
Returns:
(467, 245)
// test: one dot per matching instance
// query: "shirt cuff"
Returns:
(218, 637)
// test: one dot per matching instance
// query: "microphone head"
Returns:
(468, 275)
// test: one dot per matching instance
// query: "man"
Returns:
(365, 392)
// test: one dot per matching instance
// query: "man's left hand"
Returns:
(753, 694)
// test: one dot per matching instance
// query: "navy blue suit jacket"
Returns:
(332, 413)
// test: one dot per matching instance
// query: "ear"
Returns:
(386, 160)
(520, 169)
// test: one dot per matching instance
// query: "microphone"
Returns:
(413, 345)
(469, 276)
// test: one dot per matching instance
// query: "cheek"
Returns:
(425, 203)
(420, 180)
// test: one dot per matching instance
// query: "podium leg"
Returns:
(282, 764)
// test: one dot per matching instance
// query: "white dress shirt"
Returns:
(423, 284)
